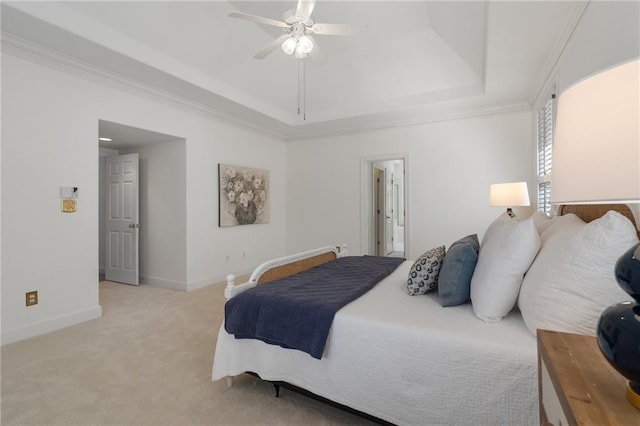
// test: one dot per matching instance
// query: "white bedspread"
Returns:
(407, 360)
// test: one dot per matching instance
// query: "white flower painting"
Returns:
(243, 195)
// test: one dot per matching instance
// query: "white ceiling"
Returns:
(415, 62)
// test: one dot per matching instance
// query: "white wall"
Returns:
(246, 246)
(450, 167)
(49, 139)
(47, 143)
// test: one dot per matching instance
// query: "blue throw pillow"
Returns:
(456, 271)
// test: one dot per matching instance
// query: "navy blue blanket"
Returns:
(296, 312)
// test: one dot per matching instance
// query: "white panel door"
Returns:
(122, 225)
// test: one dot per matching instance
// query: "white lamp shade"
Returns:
(596, 148)
(509, 194)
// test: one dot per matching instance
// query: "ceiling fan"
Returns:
(298, 28)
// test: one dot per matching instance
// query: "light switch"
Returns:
(68, 206)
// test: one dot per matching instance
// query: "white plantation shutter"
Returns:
(545, 154)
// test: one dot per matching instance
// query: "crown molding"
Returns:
(54, 59)
(33, 52)
(376, 124)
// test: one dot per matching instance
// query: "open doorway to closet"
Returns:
(384, 206)
(149, 245)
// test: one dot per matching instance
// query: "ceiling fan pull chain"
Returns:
(304, 89)
(298, 87)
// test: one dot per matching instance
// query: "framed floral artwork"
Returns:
(243, 195)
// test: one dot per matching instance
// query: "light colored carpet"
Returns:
(147, 361)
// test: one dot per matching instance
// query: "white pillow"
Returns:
(508, 248)
(504, 217)
(541, 221)
(571, 281)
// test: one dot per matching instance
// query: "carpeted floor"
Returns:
(147, 361)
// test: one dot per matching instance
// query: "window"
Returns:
(545, 152)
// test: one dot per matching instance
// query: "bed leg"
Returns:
(229, 381)
(277, 388)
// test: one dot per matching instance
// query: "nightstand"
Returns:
(576, 384)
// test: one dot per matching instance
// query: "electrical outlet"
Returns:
(32, 298)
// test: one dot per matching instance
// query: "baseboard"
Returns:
(189, 286)
(195, 285)
(161, 282)
(50, 325)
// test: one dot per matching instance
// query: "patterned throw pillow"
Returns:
(423, 276)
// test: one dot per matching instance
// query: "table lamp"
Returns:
(509, 195)
(596, 159)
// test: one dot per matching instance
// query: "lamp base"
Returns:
(633, 394)
(618, 336)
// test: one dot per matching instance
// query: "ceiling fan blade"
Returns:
(271, 47)
(316, 53)
(259, 19)
(305, 8)
(336, 29)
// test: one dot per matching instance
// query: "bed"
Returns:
(401, 359)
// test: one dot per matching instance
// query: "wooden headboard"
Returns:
(589, 212)
(283, 267)
(282, 271)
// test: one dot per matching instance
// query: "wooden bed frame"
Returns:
(272, 270)
(590, 212)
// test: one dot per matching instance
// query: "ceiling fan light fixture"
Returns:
(289, 45)
(304, 44)
(300, 54)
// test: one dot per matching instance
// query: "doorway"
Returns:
(160, 228)
(384, 206)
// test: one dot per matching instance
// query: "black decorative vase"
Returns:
(618, 330)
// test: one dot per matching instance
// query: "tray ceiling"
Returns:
(414, 61)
